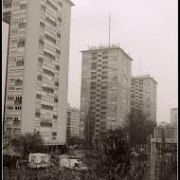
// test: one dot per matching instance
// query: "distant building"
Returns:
(37, 78)
(164, 153)
(73, 122)
(144, 96)
(174, 116)
(164, 124)
(105, 90)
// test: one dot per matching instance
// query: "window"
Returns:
(55, 117)
(105, 57)
(18, 82)
(21, 42)
(13, 41)
(48, 89)
(22, 25)
(94, 65)
(17, 107)
(104, 87)
(44, 106)
(14, 31)
(141, 82)
(58, 35)
(19, 63)
(51, 22)
(58, 53)
(104, 77)
(46, 124)
(10, 88)
(94, 58)
(56, 83)
(48, 72)
(39, 77)
(50, 38)
(41, 44)
(42, 26)
(52, 5)
(37, 114)
(59, 19)
(10, 98)
(38, 96)
(23, 6)
(57, 67)
(94, 54)
(49, 55)
(43, 9)
(16, 3)
(9, 107)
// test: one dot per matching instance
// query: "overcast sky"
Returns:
(147, 29)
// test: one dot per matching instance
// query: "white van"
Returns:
(72, 163)
(39, 160)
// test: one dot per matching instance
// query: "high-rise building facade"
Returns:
(105, 90)
(36, 98)
(73, 122)
(174, 117)
(4, 61)
(144, 96)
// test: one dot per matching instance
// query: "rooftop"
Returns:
(147, 76)
(113, 46)
(70, 2)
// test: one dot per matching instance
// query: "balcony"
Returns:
(48, 72)
(48, 89)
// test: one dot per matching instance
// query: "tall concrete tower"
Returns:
(105, 90)
(36, 94)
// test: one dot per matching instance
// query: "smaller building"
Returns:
(164, 153)
(144, 95)
(174, 117)
(73, 122)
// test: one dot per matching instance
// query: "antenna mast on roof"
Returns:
(109, 30)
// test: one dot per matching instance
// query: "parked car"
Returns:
(39, 160)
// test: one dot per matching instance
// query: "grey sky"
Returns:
(145, 28)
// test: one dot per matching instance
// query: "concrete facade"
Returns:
(144, 96)
(105, 90)
(5, 36)
(38, 68)
(174, 116)
(73, 122)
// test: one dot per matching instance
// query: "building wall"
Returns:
(174, 116)
(43, 74)
(64, 66)
(31, 52)
(73, 122)
(5, 35)
(144, 96)
(105, 90)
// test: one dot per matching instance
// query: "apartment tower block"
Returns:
(105, 90)
(144, 96)
(73, 122)
(37, 78)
